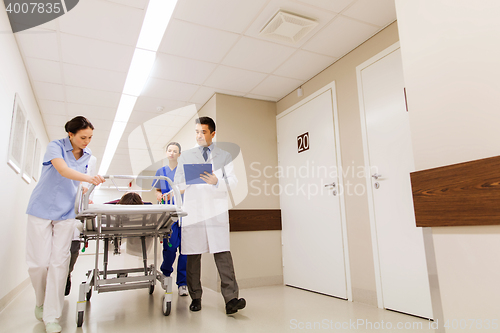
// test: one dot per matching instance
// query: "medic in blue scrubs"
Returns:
(51, 218)
(170, 246)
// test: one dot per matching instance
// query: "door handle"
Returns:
(332, 185)
(376, 176)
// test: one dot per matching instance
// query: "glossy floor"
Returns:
(269, 309)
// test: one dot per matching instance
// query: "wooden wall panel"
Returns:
(254, 219)
(463, 194)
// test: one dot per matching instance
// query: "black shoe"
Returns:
(68, 286)
(234, 305)
(195, 305)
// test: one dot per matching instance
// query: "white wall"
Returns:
(15, 191)
(451, 52)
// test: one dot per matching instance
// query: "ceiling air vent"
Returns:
(287, 27)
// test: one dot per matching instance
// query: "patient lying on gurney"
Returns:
(131, 198)
(134, 246)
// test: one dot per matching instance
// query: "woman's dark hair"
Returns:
(174, 144)
(131, 198)
(77, 123)
(206, 121)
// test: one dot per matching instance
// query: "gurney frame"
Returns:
(113, 222)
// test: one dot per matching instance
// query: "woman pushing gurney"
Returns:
(114, 222)
(51, 218)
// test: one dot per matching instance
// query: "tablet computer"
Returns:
(192, 172)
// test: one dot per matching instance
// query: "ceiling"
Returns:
(78, 62)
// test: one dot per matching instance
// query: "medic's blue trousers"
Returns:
(169, 254)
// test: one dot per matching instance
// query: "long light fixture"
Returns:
(153, 28)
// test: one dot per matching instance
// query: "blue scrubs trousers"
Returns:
(169, 254)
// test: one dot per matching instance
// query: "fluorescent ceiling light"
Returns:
(125, 108)
(155, 23)
(138, 73)
(153, 28)
(114, 138)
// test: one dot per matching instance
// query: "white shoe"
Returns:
(183, 291)
(53, 328)
(39, 312)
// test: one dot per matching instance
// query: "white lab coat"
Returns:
(206, 227)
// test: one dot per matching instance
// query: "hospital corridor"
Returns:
(249, 166)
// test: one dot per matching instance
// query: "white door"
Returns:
(401, 255)
(312, 234)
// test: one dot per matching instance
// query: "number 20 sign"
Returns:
(303, 142)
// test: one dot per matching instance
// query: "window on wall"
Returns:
(29, 152)
(17, 135)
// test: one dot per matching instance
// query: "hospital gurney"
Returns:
(114, 222)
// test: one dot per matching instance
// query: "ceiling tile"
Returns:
(229, 15)
(195, 42)
(205, 93)
(51, 91)
(234, 79)
(303, 65)
(44, 70)
(120, 168)
(263, 98)
(140, 117)
(52, 107)
(166, 120)
(141, 4)
(168, 89)
(92, 97)
(51, 25)
(202, 95)
(136, 139)
(161, 141)
(150, 104)
(155, 130)
(257, 55)
(94, 78)
(95, 53)
(97, 151)
(102, 127)
(103, 20)
(378, 12)
(340, 37)
(276, 86)
(55, 132)
(121, 159)
(187, 111)
(91, 112)
(54, 120)
(40, 44)
(122, 151)
(173, 68)
(317, 14)
(98, 141)
(332, 5)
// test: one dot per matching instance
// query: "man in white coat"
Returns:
(206, 227)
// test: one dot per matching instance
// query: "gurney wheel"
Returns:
(79, 319)
(165, 306)
(151, 288)
(89, 294)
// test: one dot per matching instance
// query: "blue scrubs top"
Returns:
(163, 184)
(54, 196)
